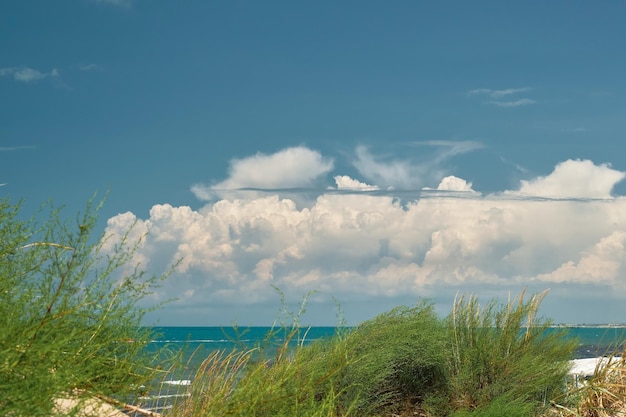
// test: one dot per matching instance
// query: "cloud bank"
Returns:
(564, 230)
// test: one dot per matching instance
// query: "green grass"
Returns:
(504, 350)
(478, 361)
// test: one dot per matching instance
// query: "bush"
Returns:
(504, 351)
(399, 358)
(492, 361)
(68, 313)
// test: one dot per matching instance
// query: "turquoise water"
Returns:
(198, 342)
(593, 341)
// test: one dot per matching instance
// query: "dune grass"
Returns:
(503, 353)
(479, 361)
(603, 394)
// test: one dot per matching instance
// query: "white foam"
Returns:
(178, 382)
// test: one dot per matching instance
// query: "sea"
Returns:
(196, 343)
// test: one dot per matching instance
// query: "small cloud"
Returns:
(453, 147)
(289, 168)
(26, 74)
(89, 67)
(497, 93)
(344, 182)
(516, 103)
(515, 165)
(15, 148)
(452, 183)
(7, 71)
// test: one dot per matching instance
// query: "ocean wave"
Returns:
(177, 382)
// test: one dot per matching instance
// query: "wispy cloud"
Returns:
(516, 103)
(497, 93)
(26, 74)
(452, 147)
(15, 148)
(89, 67)
(411, 172)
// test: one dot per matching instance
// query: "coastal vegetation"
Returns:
(69, 316)
(71, 327)
(479, 361)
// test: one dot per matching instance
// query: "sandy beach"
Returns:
(90, 407)
(96, 407)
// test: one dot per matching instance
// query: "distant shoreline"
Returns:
(594, 326)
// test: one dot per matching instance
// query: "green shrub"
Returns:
(68, 313)
(504, 351)
(493, 361)
(398, 357)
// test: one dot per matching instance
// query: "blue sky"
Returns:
(339, 119)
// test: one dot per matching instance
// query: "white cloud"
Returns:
(497, 93)
(15, 148)
(574, 179)
(26, 74)
(289, 168)
(604, 261)
(451, 148)
(411, 172)
(89, 67)
(362, 245)
(396, 173)
(516, 103)
(344, 182)
(452, 183)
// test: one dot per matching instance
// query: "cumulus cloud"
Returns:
(344, 182)
(359, 244)
(574, 179)
(452, 183)
(26, 74)
(290, 168)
